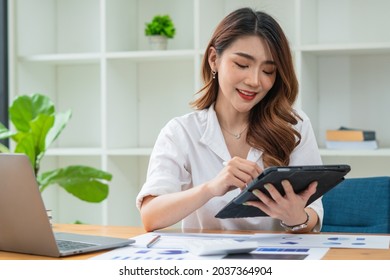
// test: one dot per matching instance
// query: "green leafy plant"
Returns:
(160, 25)
(37, 126)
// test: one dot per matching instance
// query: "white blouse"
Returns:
(191, 149)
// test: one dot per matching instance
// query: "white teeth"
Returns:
(246, 93)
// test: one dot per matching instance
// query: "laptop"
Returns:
(24, 223)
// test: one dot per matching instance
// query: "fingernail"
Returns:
(256, 192)
(267, 186)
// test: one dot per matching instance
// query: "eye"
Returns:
(269, 72)
(241, 65)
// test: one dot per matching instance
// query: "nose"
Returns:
(253, 79)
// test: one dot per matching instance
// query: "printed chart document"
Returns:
(324, 240)
(171, 246)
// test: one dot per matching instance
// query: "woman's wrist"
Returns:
(297, 221)
(207, 191)
(298, 226)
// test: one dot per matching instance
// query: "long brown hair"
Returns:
(271, 120)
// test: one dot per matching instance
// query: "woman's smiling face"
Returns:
(246, 72)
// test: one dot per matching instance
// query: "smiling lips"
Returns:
(247, 95)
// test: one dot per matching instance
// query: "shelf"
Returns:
(346, 49)
(98, 152)
(80, 58)
(62, 58)
(74, 152)
(385, 152)
(153, 55)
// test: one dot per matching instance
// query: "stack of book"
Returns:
(351, 139)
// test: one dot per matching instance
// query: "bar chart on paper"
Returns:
(324, 241)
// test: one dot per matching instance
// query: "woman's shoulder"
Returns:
(301, 114)
(190, 120)
(303, 120)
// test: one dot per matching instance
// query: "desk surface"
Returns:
(127, 232)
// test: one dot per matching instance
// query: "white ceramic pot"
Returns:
(158, 42)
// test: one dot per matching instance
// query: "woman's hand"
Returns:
(237, 173)
(289, 208)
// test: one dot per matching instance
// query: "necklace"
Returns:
(235, 135)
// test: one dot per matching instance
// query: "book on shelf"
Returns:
(350, 134)
(352, 145)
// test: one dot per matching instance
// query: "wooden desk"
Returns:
(127, 232)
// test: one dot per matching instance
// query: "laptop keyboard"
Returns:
(65, 245)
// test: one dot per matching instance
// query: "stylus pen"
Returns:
(153, 241)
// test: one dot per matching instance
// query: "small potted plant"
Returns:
(159, 30)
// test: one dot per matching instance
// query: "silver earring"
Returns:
(213, 73)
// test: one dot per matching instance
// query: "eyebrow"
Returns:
(250, 57)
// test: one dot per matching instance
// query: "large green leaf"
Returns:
(61, 120)
(33, 143)
(19, 135)
(40, 127)
(26, 108)
(26, 145)
(90, 191)
(83, 182)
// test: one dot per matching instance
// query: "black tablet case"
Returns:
(327, 176)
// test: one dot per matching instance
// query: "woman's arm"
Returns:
(167, 209)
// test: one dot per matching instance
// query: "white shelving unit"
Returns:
(343, 57)
(92, 56)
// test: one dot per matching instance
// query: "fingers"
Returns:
(306, 194)
(290, 193)
(274, 193)
(247, 166)
(269, 203)
(243, 170)
(277, 205)
(263, 204)
(237, 173)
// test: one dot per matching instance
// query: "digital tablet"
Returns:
(327, 176)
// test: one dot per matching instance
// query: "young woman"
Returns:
(243, 123)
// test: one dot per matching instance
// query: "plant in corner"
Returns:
(38, 125)
(159, 30)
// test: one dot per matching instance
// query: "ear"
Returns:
(212, 58)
